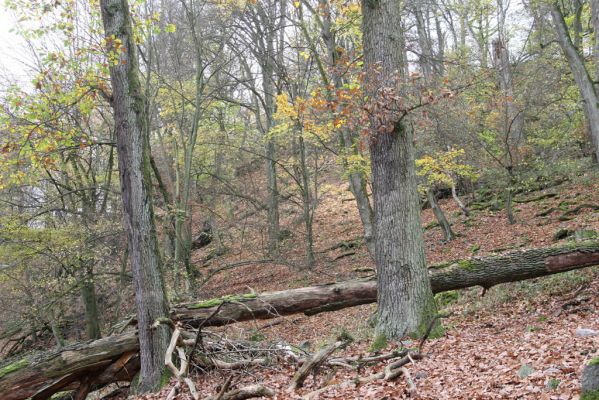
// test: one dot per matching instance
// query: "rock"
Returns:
(584, 332)
(562, 234)
(420, 375)
(525, 370)
(590, 378)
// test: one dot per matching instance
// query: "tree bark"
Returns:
(581, 76)
(405, 301)
(134, 170)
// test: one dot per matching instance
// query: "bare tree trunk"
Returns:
(134, 168)
(581, 76)
(307, 200)
(268, 85)
(88, 294)
(439, 215)
(514, 121)
(357, 179)
(405, 300)
(595, 21)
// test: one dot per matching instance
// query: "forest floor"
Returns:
(518, 341)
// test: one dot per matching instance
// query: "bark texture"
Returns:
(405, 299)
(110, 359)
(581, 76)
(134, 172)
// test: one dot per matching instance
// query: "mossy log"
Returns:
(111, 358)
(41, 375)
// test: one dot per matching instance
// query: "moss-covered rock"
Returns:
(594, 395)
(590, 379)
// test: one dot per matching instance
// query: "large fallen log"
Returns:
(113, 358)
(479, 271)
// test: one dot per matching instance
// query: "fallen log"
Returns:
(40, 376)
(102, 361)
(479, 271)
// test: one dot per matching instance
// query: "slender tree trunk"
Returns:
(514, 122)
(307, 198)
(88, 294)
(405, 300)
(456, 198)
(595, 21)
(134, 170)
(357, 179)
(439, 215)
(581, 76)
(268, 85)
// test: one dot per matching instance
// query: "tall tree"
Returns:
(134, 168)
(581, 76)
(405, 300)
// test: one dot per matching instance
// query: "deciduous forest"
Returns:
(306, 199)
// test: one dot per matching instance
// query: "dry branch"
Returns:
(313, 363)
(247, 392)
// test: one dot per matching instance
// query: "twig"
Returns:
(312, 364)
(224, 389)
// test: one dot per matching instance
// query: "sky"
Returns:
(13, 53)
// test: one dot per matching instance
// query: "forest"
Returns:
(307, 199)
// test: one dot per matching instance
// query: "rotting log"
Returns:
(112, 358)
(40, 376)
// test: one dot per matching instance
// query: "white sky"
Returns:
(13, 51)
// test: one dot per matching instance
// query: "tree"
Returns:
(405, 300)
(134, 170)
(581, 75)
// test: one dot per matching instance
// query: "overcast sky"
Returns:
(13, 53)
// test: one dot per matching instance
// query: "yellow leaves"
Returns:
(444, 166)
(296, 4)
(354, 8)
(305, 115)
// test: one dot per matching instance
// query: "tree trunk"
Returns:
(513, 121)
(88, 294)
(439, 215)
(581, 76)
(595, 21)
(307, 200)
(405, 301)
(349, 146)
(268, 85)
(134, 169)
(58, 371)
